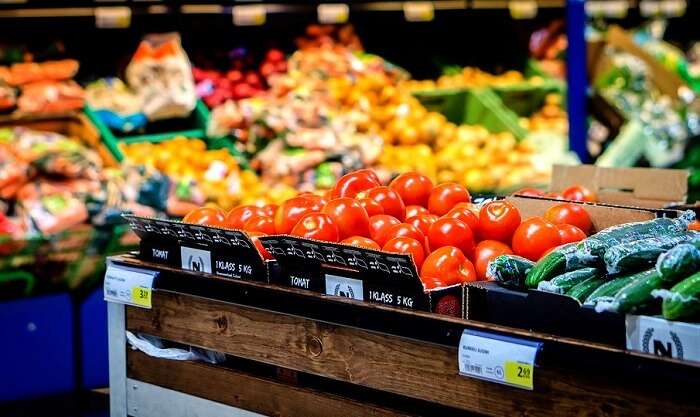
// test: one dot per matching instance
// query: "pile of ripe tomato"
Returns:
(450, 239)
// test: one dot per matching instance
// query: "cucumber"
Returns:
(679, 262)
(563, 259)
(583, 289)
(566, 281)
(608, 290)
(683, 299)
(641, 254)
(636, 295)
(509, 270)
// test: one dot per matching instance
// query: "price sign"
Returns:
(333, 13)
(126, 285)
(522, 9)
(419, 11)
(112, 17)
(249, 15)
(609, 8)
(501, 359)
(660, 337)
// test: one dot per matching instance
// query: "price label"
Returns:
(419, 11)
(501, 359)
(333, 13)
(660, 337)
(249, 15)
(112, 17)
(522, 9)
(609, 8)
(130, 286)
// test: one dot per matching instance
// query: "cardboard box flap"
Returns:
(632, 186)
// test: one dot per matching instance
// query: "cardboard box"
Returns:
(634, 187)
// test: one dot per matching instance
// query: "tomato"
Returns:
(317, 226)
(254, 238)
(379, 223)
(361, 242)
(465, 215)
(409, 245)
(694, 225)
(448, 231)
(389, 199)
(349, 185)
(414, 188)
(445, 196)
(498, 220)
(554, 195)
(529, 192)
(579, 193)
(486, 251)
(262, 224)
(289, 213)
(370, 206)
(422, 222)
(270, 209)
(447, 266)
(412, 211)
(209, 216)
(569, 233)
(349, 216)
(316, 199)
(568, 213)
(534, 237)
(399, 230)
(236, 218)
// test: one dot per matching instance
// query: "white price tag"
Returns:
(658, 336)
(333, 13)
(344, 287)
(112, 17)
(197, 260)
(673, 8)
(501, 359)
(607, 8)
(130, 286)
(419, 11)
(522, 9)
(249, 15)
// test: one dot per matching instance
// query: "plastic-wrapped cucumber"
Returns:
(682, 300)
(607, 291)
(640, 254)
(634, 296)
(563, 259)
(597, 244)
(681, 261)
(583, 289)
(509, 270)
(564, 282)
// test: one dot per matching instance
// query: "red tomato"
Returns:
(289, 213)
(579, 193)
(209, 216)
(379, 223)
(445, 196)
(361, 242)
(405, 244)
(413, 211)
(448, 231)
(555, 196)
(431, 282)
(236, 218)
(534, 237)
(422, 222)
(498, 220)
(317, 226)
(349, 185)
(487, 250)
(316, 199)
(694, 225)
(465, 215)
(254, 238)
(530, 192)
(569, 233)
(568, 213)
(389, 199)
(399, 230)
(270, 209)
(262, 224)
(370, 206)
(349, 216)
(447, 266)
(414, 188)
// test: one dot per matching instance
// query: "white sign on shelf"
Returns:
(522, 9)
(249, 15)
(198, 260)
(658, 336)
(330, 13)
(113, 17)
(607, 8)
(344, 287)
(502, 359)
(125, 285)
(419, 11)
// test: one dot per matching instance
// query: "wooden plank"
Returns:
(398, 365)
(245, 391)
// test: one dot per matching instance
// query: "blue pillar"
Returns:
(576, 77)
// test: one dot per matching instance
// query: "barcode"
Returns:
(113, 293)
(476, 369)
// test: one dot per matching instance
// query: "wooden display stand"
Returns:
(295, 353)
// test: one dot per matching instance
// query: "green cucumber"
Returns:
(608, 290)
(568, 280)
(560, 260)
(636, 295)
(509, 270)
(683, 299)
(679, 262)
(583, 289)
(640, 254)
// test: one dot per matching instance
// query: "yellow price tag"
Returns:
(141, 296)
(519, 374)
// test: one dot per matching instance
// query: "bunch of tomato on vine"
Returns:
(449, 239)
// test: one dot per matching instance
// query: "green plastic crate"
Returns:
(485, 108)
(449, 102)
(525, 98)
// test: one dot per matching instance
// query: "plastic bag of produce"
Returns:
(682, 300)
(566, 281)
(509, 270)
(161, 74)
(153, 346)
(640, 254)
(679, 262)
(635, 296)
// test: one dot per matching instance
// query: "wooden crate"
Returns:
(295, 353)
